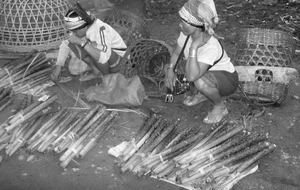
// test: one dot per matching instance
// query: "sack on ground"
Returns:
(115, 89)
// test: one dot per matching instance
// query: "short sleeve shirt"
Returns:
(209, 53)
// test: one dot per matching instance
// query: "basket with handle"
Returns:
(263, 60)
(32, 24)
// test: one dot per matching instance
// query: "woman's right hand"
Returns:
(170, 78)
(56, 73)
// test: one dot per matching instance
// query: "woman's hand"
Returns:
(170, 77)
(74, 39)
(198, 42)
(56, 73)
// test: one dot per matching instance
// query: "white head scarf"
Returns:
(201, 13)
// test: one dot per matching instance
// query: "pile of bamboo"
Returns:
(27, 72)
(215, 160)
(43, 126)
(5, 98)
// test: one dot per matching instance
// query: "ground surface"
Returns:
(278, 171)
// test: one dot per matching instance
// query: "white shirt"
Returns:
(102, 36)
(209, 53)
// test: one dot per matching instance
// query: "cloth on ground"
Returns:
(115, 89)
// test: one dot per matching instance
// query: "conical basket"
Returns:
(32, 24)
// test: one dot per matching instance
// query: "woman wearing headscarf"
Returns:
(207, 63)
(91, 46)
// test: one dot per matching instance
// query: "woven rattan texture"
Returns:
(32, 24)
(264, 47)
(130, 26)
(146, 57)
(267, 48)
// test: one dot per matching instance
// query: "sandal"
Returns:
(195, 99)
(213, 118)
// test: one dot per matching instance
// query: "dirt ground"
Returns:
(278, 171)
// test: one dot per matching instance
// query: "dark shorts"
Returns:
(224, 81)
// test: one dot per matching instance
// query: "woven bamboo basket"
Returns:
(146, 58)
(130, 26)
(263, 60)
(32, 24)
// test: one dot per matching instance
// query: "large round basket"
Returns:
(263, 60)
(32, 24)
(146, 58)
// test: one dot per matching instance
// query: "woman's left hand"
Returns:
(74, 39)
(197, 42)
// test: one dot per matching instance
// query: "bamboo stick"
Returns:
(98, 135)
(143, 140)
(139, 135)
(31, 113)
(87, 136)
(202, 171)
(61, 126)
(10, 101)
(47, 124)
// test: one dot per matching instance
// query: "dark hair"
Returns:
(71, 14)
(202, 27)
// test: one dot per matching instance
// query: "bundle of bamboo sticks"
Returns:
(215, 160)
(44, 126)
(5, 98)
(26, 73)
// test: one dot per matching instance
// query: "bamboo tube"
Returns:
(72, 148)
(46, 133)
(213, 143)
(93, 142)
(153, 142)
(107, 125)
(10, 101)
(233, 179)
(46, 125)
(98, 114)
(28, 62)
(61, 126)
(63, 135)
(143, 140)
(202, 141)
(69, 140)
(139, 135)
(85, 138)
(175, 148)
(255, 158)
(163, 135)
(210, 154)
(202, 171)
(167, 170)
(31, 113)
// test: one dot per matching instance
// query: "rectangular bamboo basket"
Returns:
(263, 60)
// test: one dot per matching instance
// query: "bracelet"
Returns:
(170, 66)
(193, 53)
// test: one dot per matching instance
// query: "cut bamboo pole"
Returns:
(31, 113)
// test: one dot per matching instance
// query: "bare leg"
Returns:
(209, 90)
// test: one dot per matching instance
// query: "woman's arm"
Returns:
(195, 69)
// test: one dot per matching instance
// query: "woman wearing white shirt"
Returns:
(207, 63)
